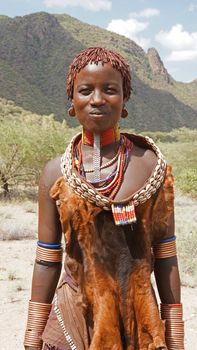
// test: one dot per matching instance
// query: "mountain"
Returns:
(158, 70)
(184, 92)
(35, 53)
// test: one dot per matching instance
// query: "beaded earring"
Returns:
(71, 111)
(124, 113)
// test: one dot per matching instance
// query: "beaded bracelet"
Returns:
(173, 315)
(49, 245)
(165, 248)
(37, 318)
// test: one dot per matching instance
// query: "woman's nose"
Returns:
(97, 98)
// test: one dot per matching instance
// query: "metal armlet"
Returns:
(37, 318)
(165, 248)
(49, 253)
(174, 324)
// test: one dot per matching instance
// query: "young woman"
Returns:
(112, 197)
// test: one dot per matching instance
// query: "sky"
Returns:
(169, 25)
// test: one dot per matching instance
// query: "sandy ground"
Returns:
(16, 263)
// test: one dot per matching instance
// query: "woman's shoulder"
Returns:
(145, 163)
(145, 156)
(51, 172)
(145, 151)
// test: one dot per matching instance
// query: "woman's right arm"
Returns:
(46, 273)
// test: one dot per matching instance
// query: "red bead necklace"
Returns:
(110, 186)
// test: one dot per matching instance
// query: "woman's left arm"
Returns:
(168, 283)
(166, 267)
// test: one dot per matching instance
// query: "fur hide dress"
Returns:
(105, 300)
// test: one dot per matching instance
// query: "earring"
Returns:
(71, 111)
(124, 113)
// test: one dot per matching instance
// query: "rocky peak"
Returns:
(157, 66)
(40, 25)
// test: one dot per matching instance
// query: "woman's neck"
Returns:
(106, 138)
(102, 144)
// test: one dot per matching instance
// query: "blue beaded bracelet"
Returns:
(49, 245)
(170, 239)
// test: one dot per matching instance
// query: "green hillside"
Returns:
(37, 49)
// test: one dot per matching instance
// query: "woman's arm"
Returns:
(167, 273)
(46, 273)
(168, 283)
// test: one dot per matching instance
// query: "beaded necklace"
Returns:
(97, 141)
(110, 185)
(124, 210)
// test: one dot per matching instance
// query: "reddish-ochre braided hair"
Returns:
(96, 55)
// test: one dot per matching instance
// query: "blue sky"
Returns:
(168, 25)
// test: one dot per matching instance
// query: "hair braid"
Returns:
(96, 55)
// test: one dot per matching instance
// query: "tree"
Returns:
(25, 148)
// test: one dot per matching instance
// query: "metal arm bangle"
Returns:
(49, 255)
(37, 318)
(173, 315)
(165, 248)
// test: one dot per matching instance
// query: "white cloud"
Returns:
(143, 42)
(192, 7)
(130, 28)
(133, 26)
(182, 43)
(177, 38)
(92, 5)
(184, 55)
(127, 27)
(146, 13)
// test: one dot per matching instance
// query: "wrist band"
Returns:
(49, 245)
(173, 314)
(49, 255)
(37, 318)
(165, 248)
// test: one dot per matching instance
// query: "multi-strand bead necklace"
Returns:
(124, 210)
(110, 185)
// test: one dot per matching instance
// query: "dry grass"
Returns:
(186, 231)
(18, 220)
(12, 276)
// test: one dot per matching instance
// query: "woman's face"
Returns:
(98, 97)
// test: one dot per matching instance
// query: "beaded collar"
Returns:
(85, 190)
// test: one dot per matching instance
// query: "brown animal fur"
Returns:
(112, 266)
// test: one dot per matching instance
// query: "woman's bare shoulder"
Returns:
(141, 165)
(51, 172)
(146, 158)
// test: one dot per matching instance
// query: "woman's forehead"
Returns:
(99, 71)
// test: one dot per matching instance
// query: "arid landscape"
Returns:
(18, 242)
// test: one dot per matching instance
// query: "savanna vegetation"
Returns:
(28, 141)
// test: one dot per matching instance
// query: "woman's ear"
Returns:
(124, 113)
(71, 111)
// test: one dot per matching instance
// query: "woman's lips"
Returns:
(97, 114)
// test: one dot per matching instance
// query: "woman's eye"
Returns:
(110, 90)
(85, 91)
